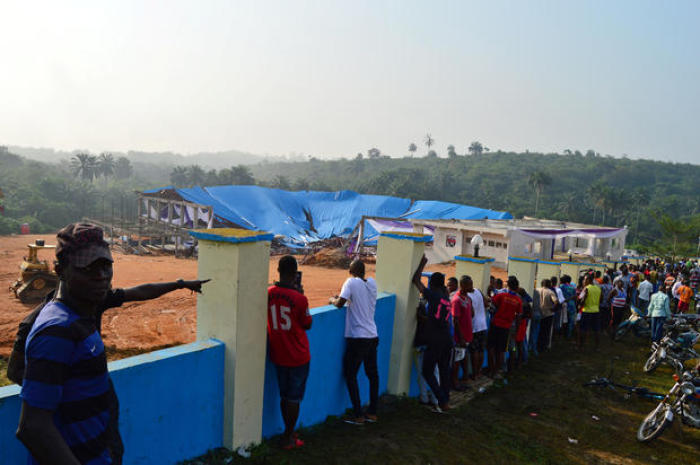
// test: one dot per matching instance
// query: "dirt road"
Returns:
(170, 319)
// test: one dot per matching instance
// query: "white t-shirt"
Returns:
(645, 288)
(479, 318)
(362, 301)
(674, 289)
(560, 294)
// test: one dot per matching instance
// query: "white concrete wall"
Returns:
(234, 310)
(397, 260)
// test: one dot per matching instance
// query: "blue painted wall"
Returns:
(326, 393)
(11, 450)
(171, 405)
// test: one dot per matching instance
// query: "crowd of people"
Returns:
(457, 323)
(69, 411)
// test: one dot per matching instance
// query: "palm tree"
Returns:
(538, 180)
(106, 164)
(412, 148)
(476, 148)
(568, 205)
(429, 141)
(85, 165)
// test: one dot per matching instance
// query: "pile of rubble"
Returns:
(328, 257)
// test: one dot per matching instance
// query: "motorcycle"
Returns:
(683, 400)
(674, 346)
(637, 322)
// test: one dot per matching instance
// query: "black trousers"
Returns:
(438, 354)
(545, 333)
(361, 351)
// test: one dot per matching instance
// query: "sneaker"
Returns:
(294, 444)
(369, 418)
(350, 420)
(436, 408)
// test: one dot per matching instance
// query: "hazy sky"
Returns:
(332, 78)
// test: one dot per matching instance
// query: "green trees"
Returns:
(412, 149)
(178, 176)
(105, 165)
(194, 175)
(476, 148)
(538, 180)
(675, 230)
(85, 166)
(451, 153)
(123, 168)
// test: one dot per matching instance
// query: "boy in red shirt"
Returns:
(461, 309)
(509, 308)
(288, 319)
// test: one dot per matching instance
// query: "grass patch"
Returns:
(497, 428)
(3, 373)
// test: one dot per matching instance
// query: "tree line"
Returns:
(659, 202)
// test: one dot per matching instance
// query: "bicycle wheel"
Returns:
(655, 423)
(652, 362)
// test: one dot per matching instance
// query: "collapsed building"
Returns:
(305, 220)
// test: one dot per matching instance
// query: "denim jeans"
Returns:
(657, 328)
(643, 306)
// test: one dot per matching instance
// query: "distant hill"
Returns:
(207, 160)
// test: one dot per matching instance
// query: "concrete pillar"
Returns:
(479, 268)
(398, 256)
(546, 269)
(234, 310)
(572, 269)
(523, 269)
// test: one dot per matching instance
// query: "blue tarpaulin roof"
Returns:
(308, 216)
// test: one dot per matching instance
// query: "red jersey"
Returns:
(287, 316)
(508, 305)
(461, 307)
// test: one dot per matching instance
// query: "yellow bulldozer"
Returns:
(36, 278)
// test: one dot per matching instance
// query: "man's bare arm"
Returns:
(15, 367)
(39, 435)
(417, 275)
(155, 290)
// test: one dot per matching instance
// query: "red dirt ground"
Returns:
(168, 320)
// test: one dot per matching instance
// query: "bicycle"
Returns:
(636, 390)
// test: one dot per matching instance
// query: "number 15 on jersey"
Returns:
(280, 318)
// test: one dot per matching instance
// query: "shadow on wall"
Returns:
(326, 393)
